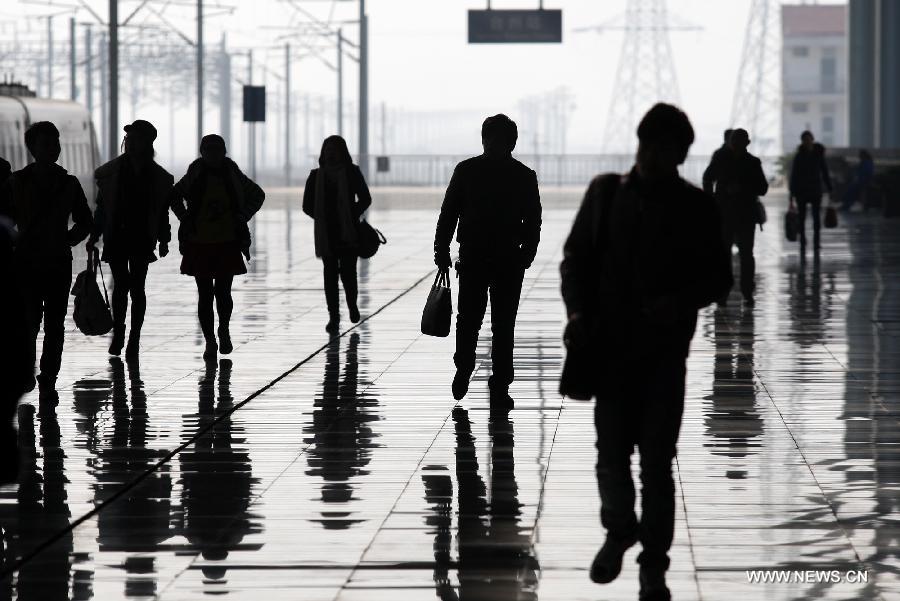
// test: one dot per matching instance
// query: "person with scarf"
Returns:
(214, 202)
(335, 196)
(132, 215)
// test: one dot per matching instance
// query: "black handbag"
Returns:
(791, 225)
(761, 216)
(831, 220)
(439, 307)
(92, 315)
(369, 239)
(578, 378)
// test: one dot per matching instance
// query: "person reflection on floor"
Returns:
(216, 478)
(138, 522)
(340, 436)
(42, 506)
(496, 559)
(733, 422)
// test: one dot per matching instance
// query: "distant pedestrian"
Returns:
(861, 180)
(494, 198)
(132, 216)
(809, 173)
(736, 179)
(336, 196)
(719, 154)
(218, 202)
(41, 199)
(644, 254)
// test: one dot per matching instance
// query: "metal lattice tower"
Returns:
(757, 95)
(645, 75)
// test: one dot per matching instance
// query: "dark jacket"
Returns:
(360, 201)
(41, 212)
(634, 256)
(154, 212)
(246, 198)
(737, 181)
(498, 207)
(809, 171)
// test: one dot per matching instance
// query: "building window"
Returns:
(800, 51)
(799, 107)
(828, 74)
(828, 124)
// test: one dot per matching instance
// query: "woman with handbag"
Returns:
(335, 196)
(218, 202)
(132, 216)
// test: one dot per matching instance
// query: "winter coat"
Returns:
(246, 198)
(41, 214)
(331, 228)
(737, 181)
(809, 171)
(108, 221)
(498, 207)
(631, 251)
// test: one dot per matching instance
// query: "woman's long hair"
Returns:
(340, 146)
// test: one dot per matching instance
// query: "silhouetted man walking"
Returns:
(495, 200)
(644, 254)
(737, 181)
(40, 200)
(809, 172)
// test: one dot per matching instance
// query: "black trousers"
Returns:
(740, 230)
(45, 292)
(815, 203)
(129, 277)
(341, 266)
(643, 408)
(504, 286)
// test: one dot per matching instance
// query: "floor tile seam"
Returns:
(390, 512)
(174, 452)
(812, 473)
(261, 494)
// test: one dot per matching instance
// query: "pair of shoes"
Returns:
(653, 585)
(500, 399)
(134, 347)
(211, 351)
(225, 346)
(608, 562)
(354, 313)
(334, 322)
(460, 384)
(118, 341)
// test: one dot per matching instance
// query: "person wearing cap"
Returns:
(132, 217)
(644, 254)
(41, 199)
(214, 202)
(737, 180)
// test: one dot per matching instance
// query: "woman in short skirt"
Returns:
(214, 201)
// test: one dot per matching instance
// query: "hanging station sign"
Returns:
(515, 26)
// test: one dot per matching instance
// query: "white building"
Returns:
(814, 73)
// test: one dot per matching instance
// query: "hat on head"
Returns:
(142, 127)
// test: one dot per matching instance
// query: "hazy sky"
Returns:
(420, 59)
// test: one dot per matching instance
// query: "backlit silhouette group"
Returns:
(646, 251)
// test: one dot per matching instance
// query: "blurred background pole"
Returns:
(50, 57)
(363, 89)
(73, 90)
(88, 70)
(287, 114)
(113, 68)
(340, 82)
(199, 71)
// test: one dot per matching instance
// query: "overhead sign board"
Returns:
(515, 26)
(254, 103)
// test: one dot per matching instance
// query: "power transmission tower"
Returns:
(646, 73)
(757, 95)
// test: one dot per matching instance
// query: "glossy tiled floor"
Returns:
(303, 468)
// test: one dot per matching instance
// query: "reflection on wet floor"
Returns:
(307, 468)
